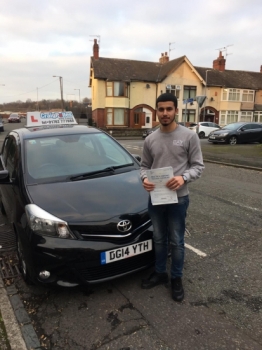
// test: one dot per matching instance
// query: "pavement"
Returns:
(16, 330)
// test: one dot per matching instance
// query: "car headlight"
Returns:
(224, 134)
(44, 223)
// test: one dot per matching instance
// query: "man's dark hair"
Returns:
(166, 97)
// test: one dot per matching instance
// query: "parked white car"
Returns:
(203, 129)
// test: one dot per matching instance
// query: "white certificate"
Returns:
(161, 194)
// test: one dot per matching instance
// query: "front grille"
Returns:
(116, 268)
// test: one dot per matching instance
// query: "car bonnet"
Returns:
(96, 199)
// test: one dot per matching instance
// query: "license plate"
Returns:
(212, 137)
(126, 252)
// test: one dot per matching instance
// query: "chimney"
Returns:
(96, 50)
(164, 58)
(219, 63)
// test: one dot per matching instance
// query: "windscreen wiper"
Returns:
(108, 170)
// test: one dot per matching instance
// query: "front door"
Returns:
(139, 118)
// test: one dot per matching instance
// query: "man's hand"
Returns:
(148, 186)
(175, 183)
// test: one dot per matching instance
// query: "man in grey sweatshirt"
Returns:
(176, 146)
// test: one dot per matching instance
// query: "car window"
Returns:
(204, 124)
(12, 155)
(255, 126)
(67, 155)
(247, 127)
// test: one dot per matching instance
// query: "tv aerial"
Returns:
(96, 36)
(224, 49)
(170, 49)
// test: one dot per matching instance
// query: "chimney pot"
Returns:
(96, 50)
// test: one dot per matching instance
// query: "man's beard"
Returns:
(169, 122)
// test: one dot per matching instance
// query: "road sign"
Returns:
(200, 100)
(189, 100)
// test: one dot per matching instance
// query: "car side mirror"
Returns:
(138, 158)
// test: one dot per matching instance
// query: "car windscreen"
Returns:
(232, 126)
(59, 158)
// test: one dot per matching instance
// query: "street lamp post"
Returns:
(208, 70)
(79, 104)
(79, 94)
(61, 90)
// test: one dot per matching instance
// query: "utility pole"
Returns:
(208, 70)
(61, 90)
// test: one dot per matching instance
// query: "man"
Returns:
(176, 146)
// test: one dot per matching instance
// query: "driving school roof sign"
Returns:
(49, 118)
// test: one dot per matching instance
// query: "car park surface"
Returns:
(77, 204)
(203, 129)
(237, 133)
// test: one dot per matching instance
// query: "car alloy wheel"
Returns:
(232, 140)
(201, 135)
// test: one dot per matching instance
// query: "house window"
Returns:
(231, 95)
(246, 116)
(116, 88)
(227, 117)
(223, 117)
(189, 92)
(188, 115)
(116, 116)
(174, 90)
(232, 116)
(258, 117)
(248, 96)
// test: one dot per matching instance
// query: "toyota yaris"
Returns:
(74, 197)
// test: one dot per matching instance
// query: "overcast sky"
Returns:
(39, 39)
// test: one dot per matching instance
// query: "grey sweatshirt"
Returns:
(179, 148)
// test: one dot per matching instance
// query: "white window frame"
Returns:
(257, 117)
(246, 116)
(228, 117)
(172, 90)
(231, 95)
(248, 96)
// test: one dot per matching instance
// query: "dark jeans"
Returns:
(169, 228)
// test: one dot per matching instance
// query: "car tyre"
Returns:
(22, 265)
(201, 135)
(232, 140)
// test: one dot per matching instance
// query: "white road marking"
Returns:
(246, 206)
(197, 251)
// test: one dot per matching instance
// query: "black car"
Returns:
(237, 133)
(77, 205)
(149, 131)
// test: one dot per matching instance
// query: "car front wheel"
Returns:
(232, 140)
(201, 135)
